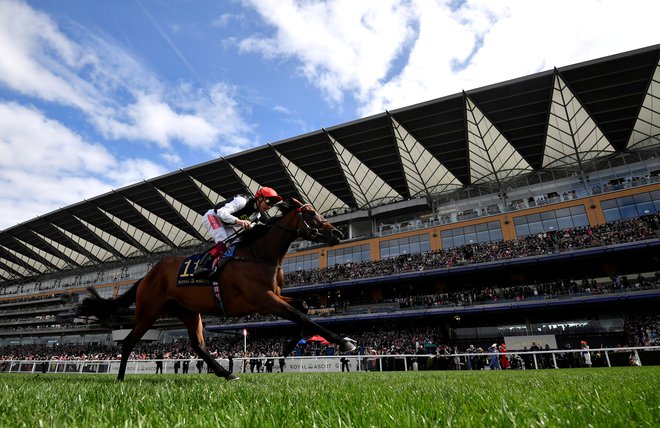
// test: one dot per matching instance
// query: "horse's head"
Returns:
(311, 225)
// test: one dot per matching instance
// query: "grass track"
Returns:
(607, 397)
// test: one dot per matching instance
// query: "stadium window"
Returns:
(406, 245)
(447, 241)
(644, 204)
(612, 214)
(482, 232)
(356, 253)
(471, 238)
(495, 234)
(459, 240)
(483, 236)
(384, 252)
(628, 211)
(535, 227)
(631, 206)
(655, 197)
(564, 218)
(580, 220)
(470, 234)
(565, 222)
(424, 245)
(365, 253)
(550, 225)
(522, 228)
(304, 262)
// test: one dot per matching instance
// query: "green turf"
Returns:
(605, 397)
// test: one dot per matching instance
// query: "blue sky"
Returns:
(97, 95)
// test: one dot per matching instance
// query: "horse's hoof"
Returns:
(348, 345)
(232, 376)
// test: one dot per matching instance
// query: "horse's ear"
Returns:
(288, 203)
(296, 203)
(292, 202)
(285, 205)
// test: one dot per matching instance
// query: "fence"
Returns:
(530, 360)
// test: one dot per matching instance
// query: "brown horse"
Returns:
(251, 282)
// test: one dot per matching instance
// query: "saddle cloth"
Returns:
(186, 278)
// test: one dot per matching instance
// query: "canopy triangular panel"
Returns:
(573, 137)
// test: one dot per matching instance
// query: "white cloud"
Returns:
(342, 45)
(226, 19)
(132, 170)
(506, 40)
(45, 166)
(218, 106)
(37, 60)
(117, 94)
(172, 158)
(392, 54)
(30, 140)
(151, 119)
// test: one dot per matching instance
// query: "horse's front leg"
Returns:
(274, 304)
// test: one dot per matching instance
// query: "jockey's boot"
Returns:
(204, 267)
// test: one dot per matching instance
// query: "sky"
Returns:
(98, 95)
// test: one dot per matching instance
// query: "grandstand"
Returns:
(527, 208)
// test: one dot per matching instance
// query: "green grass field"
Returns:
(606, 397)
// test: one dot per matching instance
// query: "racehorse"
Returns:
(250, 282)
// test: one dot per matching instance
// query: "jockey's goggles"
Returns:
(271, 201)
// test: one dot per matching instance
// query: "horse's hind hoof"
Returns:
(348, 345)
(232, 376)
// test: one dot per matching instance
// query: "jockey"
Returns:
(236, 214)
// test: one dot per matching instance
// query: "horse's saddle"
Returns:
(186, 278)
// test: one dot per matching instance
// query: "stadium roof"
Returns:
(559, 118)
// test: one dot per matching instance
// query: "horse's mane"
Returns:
(260, 229)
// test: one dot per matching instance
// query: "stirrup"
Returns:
(204, 268)
(202, 271)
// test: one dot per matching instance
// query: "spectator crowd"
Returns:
(640, 330)
(623, 231)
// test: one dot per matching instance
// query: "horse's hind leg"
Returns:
(145, 317)
(193, 322)
(290, 343)
(141, 327)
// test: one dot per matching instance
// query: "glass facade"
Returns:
(408, 245)
(304, 262)
(357, 253)
(548, 221)
(631, 206)
(482, 232)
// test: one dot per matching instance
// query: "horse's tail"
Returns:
(104, 309)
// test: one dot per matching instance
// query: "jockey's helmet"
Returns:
(268, 193)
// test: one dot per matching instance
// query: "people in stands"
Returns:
(228, 218)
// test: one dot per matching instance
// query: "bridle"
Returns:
(302, 228)
(306, 231)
